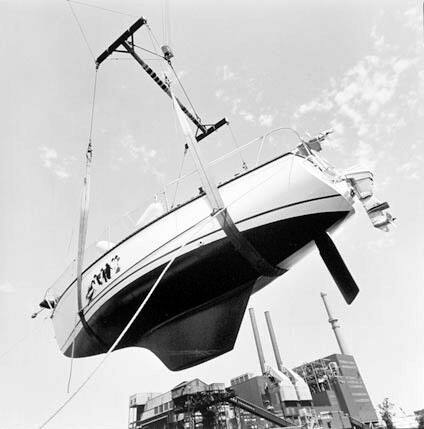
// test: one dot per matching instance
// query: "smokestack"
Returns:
(257, 340)
(274, 341)
(335, 326)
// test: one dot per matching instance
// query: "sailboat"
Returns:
(207, 256)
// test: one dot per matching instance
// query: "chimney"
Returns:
(335, 326)
(274, 341)
(257, 340)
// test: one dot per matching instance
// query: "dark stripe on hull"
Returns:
(206, 278)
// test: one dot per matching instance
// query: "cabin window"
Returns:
(161, 408)
(156, 410)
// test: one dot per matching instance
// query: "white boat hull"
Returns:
(279, 207)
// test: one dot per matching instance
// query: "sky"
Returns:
(354, 66)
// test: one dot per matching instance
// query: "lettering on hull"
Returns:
(102, 277)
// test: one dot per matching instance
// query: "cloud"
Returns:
(412, 18)
(7, 288)
(61, 173)
(411, 169)
(365, 155)
(51, 160)
(48, 155)
(378, 40)
(235, 105)
(136, 151)
(337, 126)
(369, 85)
(247, 116)
(373, 100)
(225, 73)
(219, 93)
(354, 115)
(140, 153)
(266, 120)
(243, 93)
(334, 141)
(323, 105)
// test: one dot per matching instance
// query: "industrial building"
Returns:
(172, 410)
(336, 385)
(326, 393)
(195, 404)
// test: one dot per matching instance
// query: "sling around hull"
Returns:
(279, 207)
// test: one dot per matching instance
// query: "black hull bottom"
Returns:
(195, 313)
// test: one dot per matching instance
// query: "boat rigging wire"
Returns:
(129, 324)
(68, 386)
(101, 8)
(147, 50)
(156, 46)
(70, 242)
(154, 40)
(81, 29)
(166, 23)
(243, 162)
(179, 176)
(201, 224)
(163, 22)
(92, 106)
(23, 339)
(185, 93)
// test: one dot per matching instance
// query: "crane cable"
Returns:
(85, 200)
(82, 236)
(196, 228)
(81, 30)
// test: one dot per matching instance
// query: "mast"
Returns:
(239, 242)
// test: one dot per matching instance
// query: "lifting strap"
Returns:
(82, 235)
(240, 243)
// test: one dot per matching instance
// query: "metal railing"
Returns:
(165, 200)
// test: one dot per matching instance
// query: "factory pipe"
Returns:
(257, 340)
(336, 327)
(274, 341)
